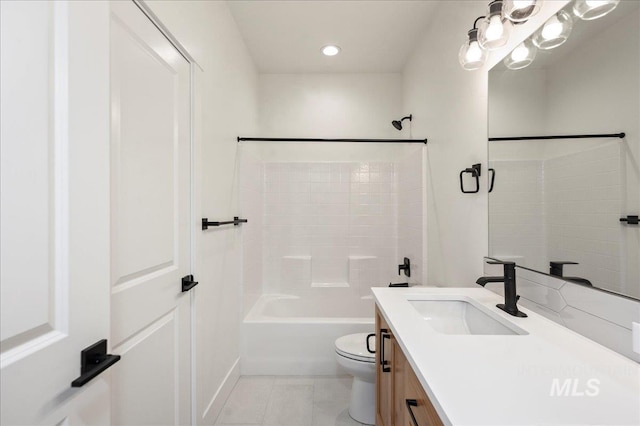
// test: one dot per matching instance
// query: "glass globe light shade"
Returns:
(593, 9)
(554, 32)
(494, 30)
(522, 56)
(471, 55)
(520, 10)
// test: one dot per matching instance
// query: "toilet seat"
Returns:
(354, 346)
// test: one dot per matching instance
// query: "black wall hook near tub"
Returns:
(235, 222)
(475, 171)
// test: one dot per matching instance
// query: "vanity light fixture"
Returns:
(522, 56)
(331, 50)
(494, 30)
(471, 55)
(520, 10)
(593, 9)
(554, 32)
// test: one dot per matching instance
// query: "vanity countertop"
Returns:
(508, 379)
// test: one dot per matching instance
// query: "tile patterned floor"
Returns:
(289, 401)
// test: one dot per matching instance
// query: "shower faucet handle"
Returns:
(406, 267)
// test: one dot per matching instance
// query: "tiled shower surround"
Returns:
(330, 225)
(564, 208)
(583, 194)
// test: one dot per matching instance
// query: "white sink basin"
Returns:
(461, 317)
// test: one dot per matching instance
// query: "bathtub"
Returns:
(295, 335)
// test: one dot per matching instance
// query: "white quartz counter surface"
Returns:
(508, 379)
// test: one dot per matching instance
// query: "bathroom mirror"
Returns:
(565, 206)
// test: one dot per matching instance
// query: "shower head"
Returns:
(398, 123)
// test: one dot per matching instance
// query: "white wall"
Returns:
(251, 206)
(518, 103)
(610, 106)
(517, 228)
(449, 106)
(330, 105)
(226, 106)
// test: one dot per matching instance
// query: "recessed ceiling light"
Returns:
(331, 50)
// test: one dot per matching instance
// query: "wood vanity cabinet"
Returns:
(399, 393)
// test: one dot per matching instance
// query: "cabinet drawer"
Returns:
(417, 402)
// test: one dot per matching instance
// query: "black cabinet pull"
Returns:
(631, 220)
(369, 336)
(93, 361)
(412, 403)
(188, 283)
(383, 362)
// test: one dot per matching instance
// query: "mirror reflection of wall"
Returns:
(562, 200)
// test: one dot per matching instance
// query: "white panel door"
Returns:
(150, 222)
(54, 250)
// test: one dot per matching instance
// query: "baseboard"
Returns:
(214, 407)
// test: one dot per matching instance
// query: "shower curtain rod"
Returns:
(532, 138)
(241, 139)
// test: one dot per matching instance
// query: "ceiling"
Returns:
(375, 36)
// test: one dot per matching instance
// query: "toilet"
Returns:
(353, 356)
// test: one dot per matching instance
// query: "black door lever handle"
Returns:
(188, 283)
(631, 220)
(93, 361)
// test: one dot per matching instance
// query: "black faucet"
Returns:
(556, 269)
(510, 305)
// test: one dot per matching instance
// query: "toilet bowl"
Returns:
(353, 356)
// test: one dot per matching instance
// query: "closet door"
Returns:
(150, 222)
(54, 209)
